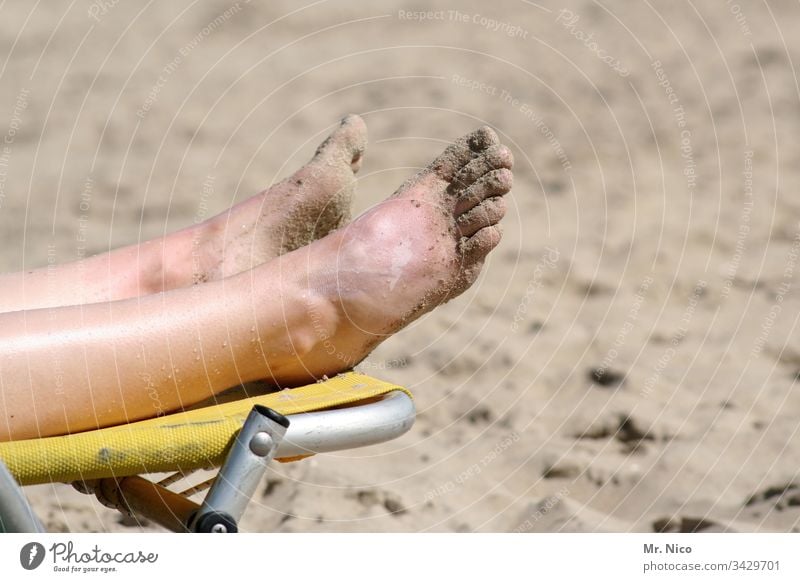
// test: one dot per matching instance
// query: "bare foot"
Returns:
(317, 310)
(304, 207)
(421, 247)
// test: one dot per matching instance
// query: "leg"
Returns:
(308, 205)
(318, 310)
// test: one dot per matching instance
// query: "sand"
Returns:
(628, 359)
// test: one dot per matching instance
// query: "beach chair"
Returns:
(240, 437)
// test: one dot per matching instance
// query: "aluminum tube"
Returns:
(348, 428)
(16, 515)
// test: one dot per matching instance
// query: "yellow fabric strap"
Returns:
(182, 441)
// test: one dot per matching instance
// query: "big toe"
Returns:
(347, 143)
(462, 151)
(483, 138)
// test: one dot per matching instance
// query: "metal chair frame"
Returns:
(265, 435)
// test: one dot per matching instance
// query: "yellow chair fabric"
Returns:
(182, 441)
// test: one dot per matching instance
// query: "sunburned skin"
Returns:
(314, 201)
(315, 311)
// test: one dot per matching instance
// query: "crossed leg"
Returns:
(317, 310)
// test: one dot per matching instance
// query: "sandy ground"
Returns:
(628, 360)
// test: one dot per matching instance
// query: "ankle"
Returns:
(310, 337)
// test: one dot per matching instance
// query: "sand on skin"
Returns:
(628, 359)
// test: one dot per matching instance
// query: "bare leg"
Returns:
(317, 310)
(306, 206)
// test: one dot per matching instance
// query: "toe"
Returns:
(494, 183)
(475, 248)
(347, 142)
(487, 213)
(355, 134)
(493, 158)
(452, 159)
(462, 151)
(482, 139)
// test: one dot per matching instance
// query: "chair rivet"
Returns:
(261, 444)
